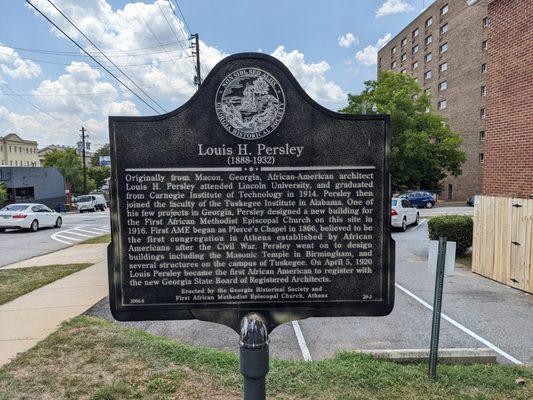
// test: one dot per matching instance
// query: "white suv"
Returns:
(91, 202)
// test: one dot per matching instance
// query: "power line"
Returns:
(94, 59)
(76, 54)
(182, 16)
(87, 93)
(107, 58)
(29, 102)
(97, 66)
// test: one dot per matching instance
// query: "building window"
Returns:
(443, 29)
(415, 49)
(415, 33)
(404, 41)
(429, 39)
(415, 65)
(444, 48)
(393, 64)
(484, 45)
(442, 105)
(428, 57)
(404, 56)
(403, 71)
(484, 68)
(481, 136)
(484, 90)
(444, 10)
(443, 67)
(443, 86)
(481, 158)
(485, 22)
(427, 74)
(429, 22)
(482, 113)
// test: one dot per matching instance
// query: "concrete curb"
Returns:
(460, 356)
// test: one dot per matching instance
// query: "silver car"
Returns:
(30, 216)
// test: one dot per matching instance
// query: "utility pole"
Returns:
(195, 46)
(83, 136)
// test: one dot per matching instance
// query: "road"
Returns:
(20, 245)
(435, 211)
(478, 312)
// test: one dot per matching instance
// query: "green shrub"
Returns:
(456, 228)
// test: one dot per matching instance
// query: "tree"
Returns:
(424, 149)
(70, 166)
(99, 175)
(102, 151)
(3, 194)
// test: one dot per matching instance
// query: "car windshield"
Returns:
(15, 207)
(394, 203)
(84, 199)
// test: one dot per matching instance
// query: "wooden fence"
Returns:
(503, 240)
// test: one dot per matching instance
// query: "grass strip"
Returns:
(18, 281)
(98, 239)
(88, 358)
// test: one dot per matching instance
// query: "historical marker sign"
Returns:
(250, 197)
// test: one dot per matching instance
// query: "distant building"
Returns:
(445, 49)
(56, 147)
(33, 184)
(17, 152)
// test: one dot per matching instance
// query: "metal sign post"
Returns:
(437, 306)
(254, 354)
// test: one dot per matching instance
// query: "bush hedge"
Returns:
(456, 228)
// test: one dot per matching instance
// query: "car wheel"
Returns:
(429, 204)
(404, 225)
(59, 222)
(2, 229)
(81, 211)
(417, 220)
(34, 227)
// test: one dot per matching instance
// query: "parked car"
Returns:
(91, 202)
(30, 216)
(470, 201)
(420, 198)
(403, 213)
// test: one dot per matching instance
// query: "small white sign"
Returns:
(449, 265)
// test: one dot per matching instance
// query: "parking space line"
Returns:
(54, 237)
(419, 224)
(462, 327)
(100, 229)
(71, 232)
(301, 341)
(88, 231)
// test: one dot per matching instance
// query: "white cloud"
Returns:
(125, 107)
(17, 68)
(369, 55)
(347, 40)
(311, 76)
(393, 7)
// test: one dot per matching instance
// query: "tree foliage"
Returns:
(3, 194)
(70, 166)
(99, 175)
(102, 151)
(424, 149)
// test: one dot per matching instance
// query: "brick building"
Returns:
(445, 49)
(509, 124)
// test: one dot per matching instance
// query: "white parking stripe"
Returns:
(301, 341)
(463, 328)
(72, 232)
(66, 237)
(88, 231)
(100, 229)
(419, 224)
(59, 240)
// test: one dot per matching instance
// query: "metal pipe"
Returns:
(254, 355)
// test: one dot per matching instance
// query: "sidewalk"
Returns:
(30, 318)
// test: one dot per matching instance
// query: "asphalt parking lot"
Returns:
(477, 312)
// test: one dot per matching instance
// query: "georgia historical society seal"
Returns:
(250, 103)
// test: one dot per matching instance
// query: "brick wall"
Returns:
(508, 152)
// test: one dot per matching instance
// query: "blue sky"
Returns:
(328, 45)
